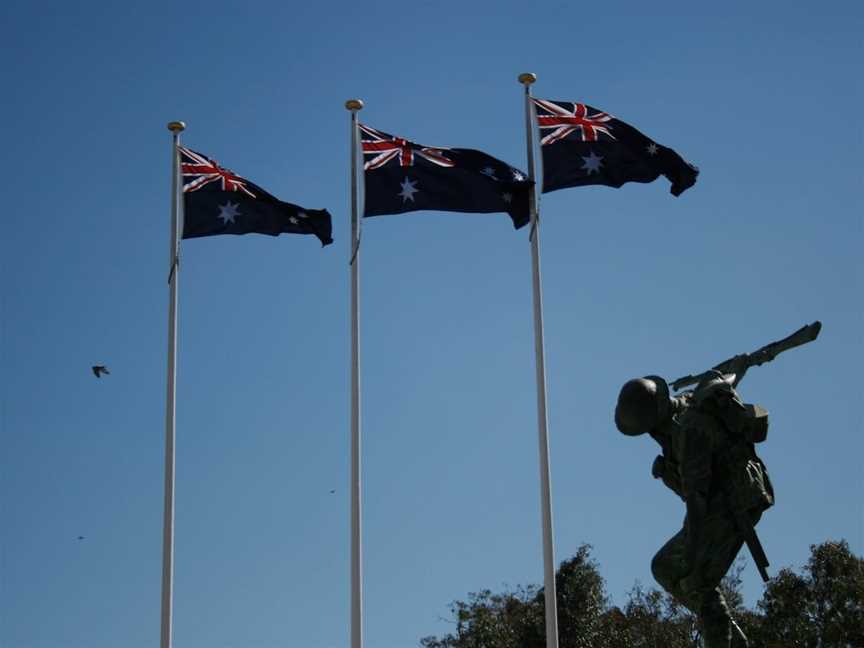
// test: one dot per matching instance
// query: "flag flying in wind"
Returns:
(402, 176)
(218, 201)
(585, 146)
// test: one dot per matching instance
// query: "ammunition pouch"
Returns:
(668, 472)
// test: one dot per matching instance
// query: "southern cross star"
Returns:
(489, 171)
(517, 176)
(592, 163)
(651, 148)
(508, 197)
(408, 190)
(293, 220)
(302, 214)
(228, 212)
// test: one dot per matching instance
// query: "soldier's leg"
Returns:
(722, 544)
(668, 567)
(716, 620)
(719, 629)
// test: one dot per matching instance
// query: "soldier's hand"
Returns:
(658, 468)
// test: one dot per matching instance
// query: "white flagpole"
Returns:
(550, 597)
(354, 105)
(170, 408)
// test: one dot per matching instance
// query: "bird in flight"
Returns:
(98, 370)
(80, 537)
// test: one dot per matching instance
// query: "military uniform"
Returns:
(690, 566)
(709, 461)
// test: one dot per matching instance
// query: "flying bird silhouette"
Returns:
(98, 370)
(80, 537)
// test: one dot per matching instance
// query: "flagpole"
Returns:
(176, 127)
(355, 105)
(550, 597)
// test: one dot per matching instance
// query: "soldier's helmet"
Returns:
(642, 404)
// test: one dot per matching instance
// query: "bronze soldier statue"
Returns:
(708, 436)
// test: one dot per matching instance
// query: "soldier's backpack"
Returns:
(749, 486)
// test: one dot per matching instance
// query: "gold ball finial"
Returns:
(354, 104)
(176, 126)
(527, 78)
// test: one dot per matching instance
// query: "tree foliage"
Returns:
(822, 607)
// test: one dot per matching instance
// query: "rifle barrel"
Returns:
(804, 335)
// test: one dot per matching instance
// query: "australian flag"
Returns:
(218, 201)
(402, 176)
(585, 146)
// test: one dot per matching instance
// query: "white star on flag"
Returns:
(293, 220)
(508, 197)
(228, 212)
(408, 190)
(592, 163)
(489, 171)
(651, 148)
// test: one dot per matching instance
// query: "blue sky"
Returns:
(764, 97)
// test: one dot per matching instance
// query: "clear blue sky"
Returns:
(765, 98)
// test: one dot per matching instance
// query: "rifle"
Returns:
(739, 364)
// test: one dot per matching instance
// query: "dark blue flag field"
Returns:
(218, 201)
(402, 176)
(585, 146)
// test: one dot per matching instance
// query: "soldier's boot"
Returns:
(716, 634)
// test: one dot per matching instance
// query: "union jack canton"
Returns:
(202, 171)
